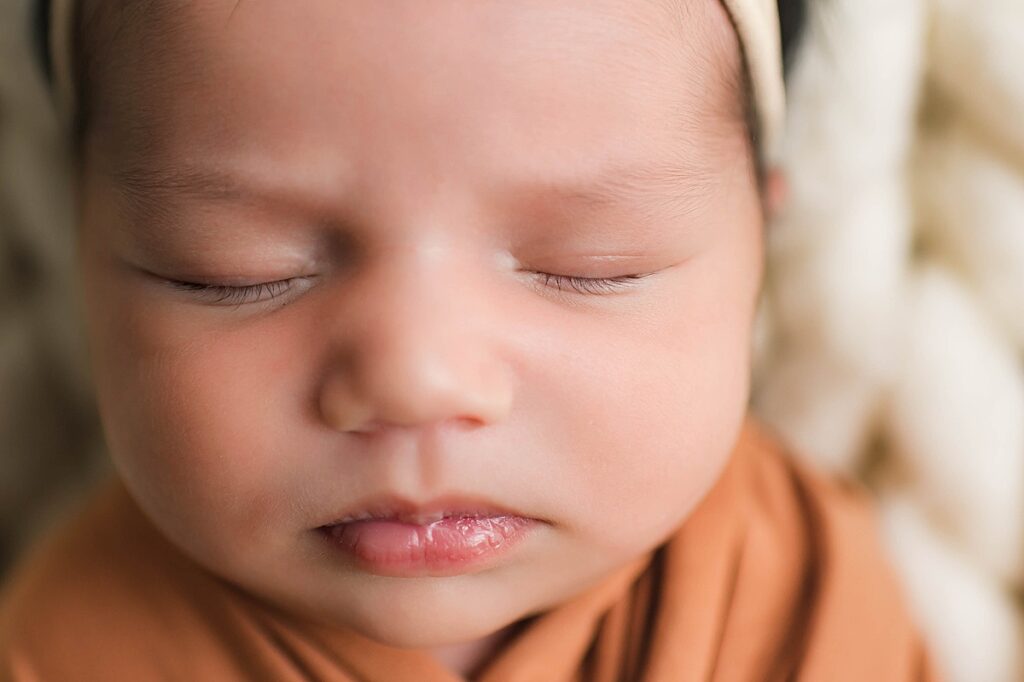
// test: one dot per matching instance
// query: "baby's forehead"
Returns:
(690, 34)
(687, 25)
(657, 63)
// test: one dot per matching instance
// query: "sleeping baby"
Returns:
(421, 332)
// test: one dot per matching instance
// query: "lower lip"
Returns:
(449, 546)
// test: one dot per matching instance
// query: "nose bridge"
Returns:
(414, 350)
(420, 330)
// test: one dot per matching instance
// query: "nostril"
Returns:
(378, 426)
(467, 423)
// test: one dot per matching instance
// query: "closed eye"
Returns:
(588, 285)
(220, 294)
(227, 295)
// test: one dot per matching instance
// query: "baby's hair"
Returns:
(96, 27)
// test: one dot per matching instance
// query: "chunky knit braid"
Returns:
(894, 316)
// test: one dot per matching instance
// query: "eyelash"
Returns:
(594, 286)
(219, 294)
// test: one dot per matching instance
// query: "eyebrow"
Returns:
(672, 189)
(667, 188)
(146, 187)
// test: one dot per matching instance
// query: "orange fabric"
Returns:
(776, 576)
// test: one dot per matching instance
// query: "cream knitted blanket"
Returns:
(893, 327)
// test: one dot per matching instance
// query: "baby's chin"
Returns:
(423, 613)
(422, 626)
(429, 612)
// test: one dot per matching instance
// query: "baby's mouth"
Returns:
(415, 518)
(397, 539)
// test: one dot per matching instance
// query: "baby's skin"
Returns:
(407, 258)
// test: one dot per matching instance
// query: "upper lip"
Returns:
(402, 509)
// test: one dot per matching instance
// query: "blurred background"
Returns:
(890, 340)
(50, 447)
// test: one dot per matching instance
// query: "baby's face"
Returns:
(502, 261)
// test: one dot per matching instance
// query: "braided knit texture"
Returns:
(893, 322)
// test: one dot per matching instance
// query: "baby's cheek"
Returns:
(653, 431)
(196, 423)
(656, 456)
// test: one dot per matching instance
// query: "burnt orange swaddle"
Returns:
(776, 576)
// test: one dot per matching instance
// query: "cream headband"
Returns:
(757, 23)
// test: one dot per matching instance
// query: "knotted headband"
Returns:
(756, 21)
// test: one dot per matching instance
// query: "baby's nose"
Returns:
(420, 352)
